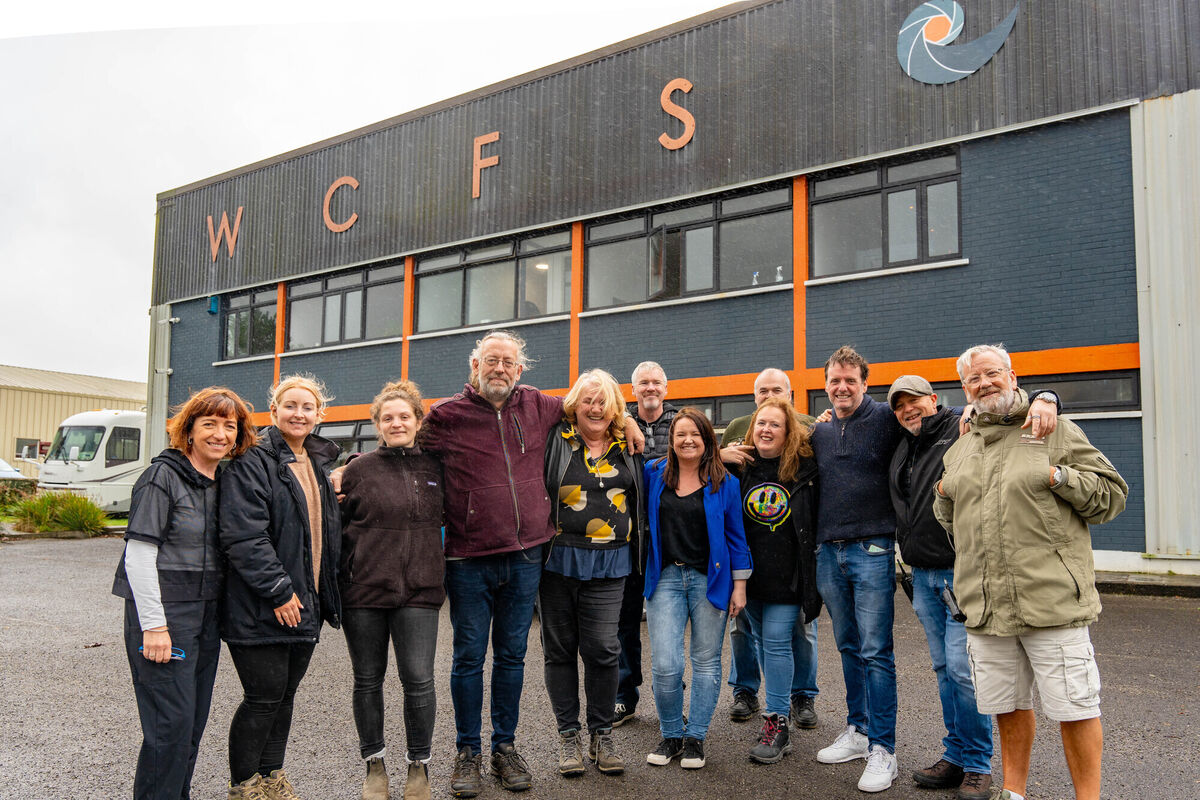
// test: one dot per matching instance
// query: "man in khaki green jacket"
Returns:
(1018, 509)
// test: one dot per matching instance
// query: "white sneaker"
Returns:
(880, 772)
(847, 747)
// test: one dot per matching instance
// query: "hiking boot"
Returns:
(570, 754)
(465, 780)
(510, 768)
(622, 714)
(667, 749)
(693, 753)
(804, 712)
(276, 786)
(375, 785)
(745, 705)
(603, 753)
(772, 742)
(849, 745)
(975, 786)
(942, 775)
(416, 783)
(249, 789)
(880, 772)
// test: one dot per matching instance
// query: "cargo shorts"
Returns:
(1061, 661)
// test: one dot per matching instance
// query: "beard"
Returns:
(495, 392)
(999, 403)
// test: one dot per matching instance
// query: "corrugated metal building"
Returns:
(34, 401)
(749, 188)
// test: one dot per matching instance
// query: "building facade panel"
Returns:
(1121, 442)
(195, 347)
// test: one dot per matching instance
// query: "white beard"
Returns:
(999, 403)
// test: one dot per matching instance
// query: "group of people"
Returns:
(502, 498)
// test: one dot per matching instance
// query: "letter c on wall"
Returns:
(338, 227)
(679, 112)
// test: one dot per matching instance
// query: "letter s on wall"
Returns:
(679, 112)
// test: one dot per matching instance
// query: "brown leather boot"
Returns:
(416, 785)
(375, 784)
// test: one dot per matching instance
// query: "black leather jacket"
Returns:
(915, 469)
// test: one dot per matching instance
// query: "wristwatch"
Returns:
(1057, 480)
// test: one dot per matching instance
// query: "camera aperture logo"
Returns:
(924, 48)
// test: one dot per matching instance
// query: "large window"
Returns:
(892, 214)
(124, 446)
(733, 242)
(495, 282)
(250, 324)
(350, 307)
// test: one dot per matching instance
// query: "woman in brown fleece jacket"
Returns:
(391, 580)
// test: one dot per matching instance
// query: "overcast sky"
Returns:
(107, 104)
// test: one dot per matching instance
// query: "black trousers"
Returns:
(258, 735)
(173, 698)
(629, 634)
(579, 620)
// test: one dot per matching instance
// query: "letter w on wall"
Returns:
(223, 232)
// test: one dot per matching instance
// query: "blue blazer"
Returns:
(728, 555)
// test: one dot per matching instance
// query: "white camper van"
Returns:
(97, 453)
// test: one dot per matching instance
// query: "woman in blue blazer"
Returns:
(696, 570)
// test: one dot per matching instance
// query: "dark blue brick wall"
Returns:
(718, 337)
(354, 375)
(196, 344)
(1121, 441)
(1047, 223)
(440, 365)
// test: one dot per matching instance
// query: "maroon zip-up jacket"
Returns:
(495, 492)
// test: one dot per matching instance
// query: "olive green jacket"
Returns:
(1023, 549)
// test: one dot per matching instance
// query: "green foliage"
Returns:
(14, 491)
(59, 511)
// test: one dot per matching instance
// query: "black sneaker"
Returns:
(772, 742)
(667, 749)
(804, 712)
(510, 768)
(622, 714)
(745, 705)
(465, 781)
(693, 753)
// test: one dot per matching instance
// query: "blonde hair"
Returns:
(303, 380)
(610, 392)
(407, 391)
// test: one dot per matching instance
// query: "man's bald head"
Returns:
(772, 382)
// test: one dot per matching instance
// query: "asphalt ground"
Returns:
(69, 726)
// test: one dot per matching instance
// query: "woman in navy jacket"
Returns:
(696, 570)
(281, 531)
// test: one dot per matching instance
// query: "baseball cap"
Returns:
(909, 384)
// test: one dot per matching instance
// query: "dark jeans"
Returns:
(629, 634)
(258, 734)
(413, 634)
(579, 620)
(490, 595)
(173, 698)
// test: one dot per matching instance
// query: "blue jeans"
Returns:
(857, 581)
(772, 626)
(743, 661)
(968, 740)
(679, 597)
(497, 593)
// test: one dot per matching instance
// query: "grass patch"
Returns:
(59, 511)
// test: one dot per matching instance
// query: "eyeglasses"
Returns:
(492, 361)
(972, 381)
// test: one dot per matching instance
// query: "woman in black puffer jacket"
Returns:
(391, 576)
(281, 531)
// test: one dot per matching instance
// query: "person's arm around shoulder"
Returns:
(1087, 480)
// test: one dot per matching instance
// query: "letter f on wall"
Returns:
(223, 232)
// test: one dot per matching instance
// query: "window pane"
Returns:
(736, 205)
(385, 273)
(304, 289)
(847, 236)
(922, 169)
(622, 228)
(333, 318)
(942, 212)
(231, 335)
(756, 250)
(340, 430)
(434, 262)
(489, 251)
(544, 285)
(698, 259)
(490, 293)
(846, 183)
(239, 301)
(730, 410)
(682, 215)
(385, 310)
(439, 301)
(545, 242)
(122, 446)
(304, 323)
(616, 273)
(902, 225)
(342, 281)
(352, 329)
(262, 330)
(268, 296)
(242, 345)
